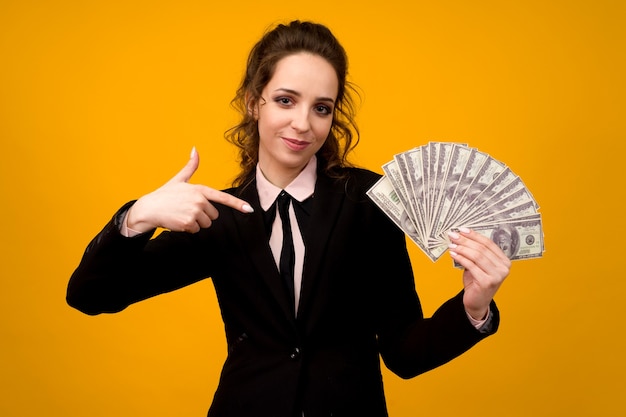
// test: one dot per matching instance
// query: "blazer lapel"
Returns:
(327, 201)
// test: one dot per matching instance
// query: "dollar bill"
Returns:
(518, 239)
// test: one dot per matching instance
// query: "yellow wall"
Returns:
(101, 101)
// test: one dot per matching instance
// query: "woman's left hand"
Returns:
(485, 268)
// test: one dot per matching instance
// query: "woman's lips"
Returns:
(295, 144)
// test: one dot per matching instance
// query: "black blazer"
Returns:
(358, 301)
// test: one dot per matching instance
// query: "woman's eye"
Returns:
(323, 109)
(285, 101)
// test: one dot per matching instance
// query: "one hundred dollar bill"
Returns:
(518, 239)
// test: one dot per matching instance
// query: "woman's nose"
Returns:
(300, 120)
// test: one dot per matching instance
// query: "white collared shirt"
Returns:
(301, 188)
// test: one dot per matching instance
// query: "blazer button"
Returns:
(295, 354)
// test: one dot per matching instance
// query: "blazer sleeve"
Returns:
(431, 342)
(410, 343)
(116, 271)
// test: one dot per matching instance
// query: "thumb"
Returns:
(185, 174)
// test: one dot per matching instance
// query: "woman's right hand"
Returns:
(181, 206)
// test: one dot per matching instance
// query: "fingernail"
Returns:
(464, 230)
(453, 235)
(248, 208)
(453, 254)
(452, 245)
(193, 152)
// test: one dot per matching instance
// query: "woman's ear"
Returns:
(251, 106)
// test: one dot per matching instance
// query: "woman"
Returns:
(308, 343)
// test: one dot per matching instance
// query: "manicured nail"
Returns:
(453, 254)
(453, 235)
(193, 152)
(464, 230)
(452, 246)
(248, 208)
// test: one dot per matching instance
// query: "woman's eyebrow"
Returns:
(297, 94)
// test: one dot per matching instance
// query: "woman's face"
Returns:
(294, 115)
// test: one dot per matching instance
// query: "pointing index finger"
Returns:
(227, 200)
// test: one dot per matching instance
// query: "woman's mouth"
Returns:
(295, 144)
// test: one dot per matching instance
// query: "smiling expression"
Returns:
(295, 115)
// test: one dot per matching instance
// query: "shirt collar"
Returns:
(301, 188)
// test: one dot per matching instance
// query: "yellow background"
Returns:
(101, 101)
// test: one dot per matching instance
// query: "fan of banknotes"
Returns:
(441, 186)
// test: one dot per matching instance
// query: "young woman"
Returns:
(304, 335)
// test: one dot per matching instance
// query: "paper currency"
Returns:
(431, 189)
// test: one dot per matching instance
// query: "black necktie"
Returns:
(287, 253)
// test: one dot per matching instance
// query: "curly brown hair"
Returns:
(276, 44)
